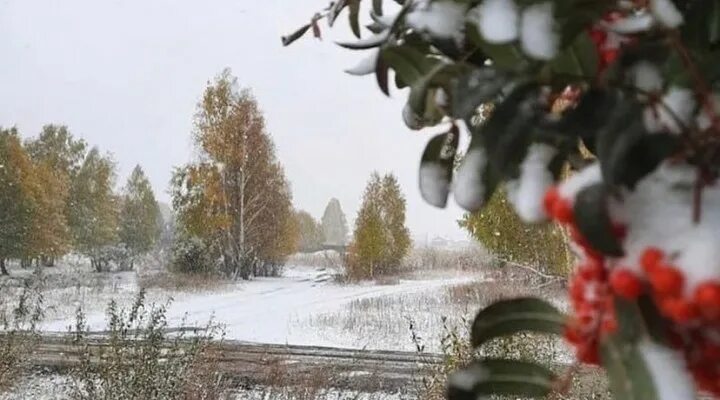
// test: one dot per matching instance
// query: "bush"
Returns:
(19, 322)
(501, 231)
(191, 255)
(142, 360)
(112, 256)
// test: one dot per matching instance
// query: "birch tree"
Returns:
(238, 184)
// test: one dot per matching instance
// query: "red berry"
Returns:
(609, 56)
(650, 259)
(620, 231)
(563, 212)
(707, 297)
(609, 325)
(679, 310)
(590, 272)
(577, 290)
(588, 354)
(551, 197)
(711, 351)
(573, 335)
(625, 283)
(667, 281)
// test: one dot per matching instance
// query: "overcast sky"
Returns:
(126, 75)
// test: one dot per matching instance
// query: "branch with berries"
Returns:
(536, 85)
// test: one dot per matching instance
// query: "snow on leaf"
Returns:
(441, 19)
(366, 66)
(668, 371)
(535, 178)
(538, 33)
(666, 13)
(497, 20)
(469, 187)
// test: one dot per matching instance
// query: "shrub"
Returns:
(142, 360)
(19, 322)
(500, 230)
(191, 255)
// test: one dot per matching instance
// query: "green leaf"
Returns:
(509, 130)
(626, 369)
(474, 88)
(335, 11)
(408, 63)
(436, 167)
(502, 377)
(593, 221)
(368, 43)
(381, 75)
(579, 59)
(508, 317)
(287, 40)
(377, 7)
(505, 57)
(354, 17)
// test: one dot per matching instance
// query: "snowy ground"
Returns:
(297, 308)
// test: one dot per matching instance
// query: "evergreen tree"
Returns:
(15, 199)
(139, 214)
(334, 225)
(94, 215)
(310, 232)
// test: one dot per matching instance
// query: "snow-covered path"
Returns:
(263, 310)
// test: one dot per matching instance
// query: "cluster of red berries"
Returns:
(590, 295)
(693, 314)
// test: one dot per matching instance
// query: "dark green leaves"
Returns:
(287, 40)
(593, 221)
(354, 17)
(627, 372)
(513, 316)
(501, 377)
(580, 59)
(369, 43)
(436, 167)
(474, 88)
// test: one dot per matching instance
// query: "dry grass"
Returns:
(182, 282)
(324, 259)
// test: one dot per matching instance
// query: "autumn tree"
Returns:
(15, 199)
(57, 158)
(94, 215)
(140, 219)
(380, 238)
(310, 232)
(237, 196)
(334, 225)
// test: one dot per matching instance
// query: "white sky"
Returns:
(126, 75)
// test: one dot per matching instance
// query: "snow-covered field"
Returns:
(297, 308)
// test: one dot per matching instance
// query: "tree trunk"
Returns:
(3, 270)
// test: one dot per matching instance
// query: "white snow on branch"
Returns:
(528, 191)
(675, 112)
(646, 77)
(497, 20)
(668, 371)
(579, 181)
(631, 24)
(538, 32)
(469, 187)
(666, 13)
(441, 19)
